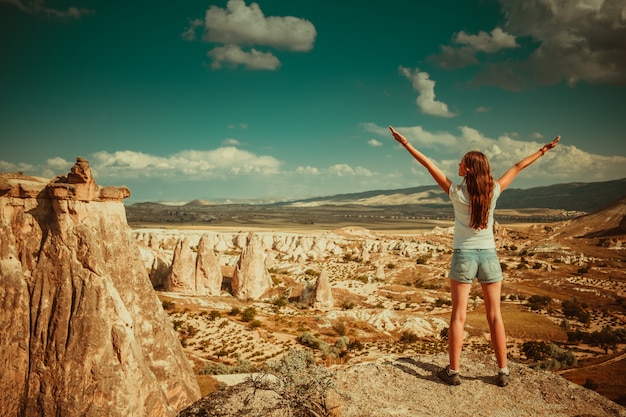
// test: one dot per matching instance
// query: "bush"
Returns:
(212, 368)
(539, 302)
(356, 345)
(279, 302)
(340, 327)
(571, 308)
(408, 337)
(589, 384)
(248, 314)
(442, 302)
(254, 324)
(302, 386)
(307, 339)
(548, 355)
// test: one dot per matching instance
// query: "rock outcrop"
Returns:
(83, 332)
(323, 298)
(409, 387)
(208, 272)
(251, 278)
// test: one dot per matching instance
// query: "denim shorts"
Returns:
(468, 264)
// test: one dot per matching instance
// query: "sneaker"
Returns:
(453, 379)
(502, 380)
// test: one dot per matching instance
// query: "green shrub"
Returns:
(215, 368)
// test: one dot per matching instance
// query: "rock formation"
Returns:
(323, 298)
(251, 278)
(182, 275)
(318, 294)
(208, 273)
(83, 332)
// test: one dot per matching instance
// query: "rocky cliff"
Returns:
(83, 332)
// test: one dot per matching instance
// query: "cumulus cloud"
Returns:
(470, 45)
(416, 135)
(39, 7)
(240, 25)
(565, 163)
(569, 41)
(231, 142)
(307, 170)
(192, 164)
(425, 88)
(374, 143)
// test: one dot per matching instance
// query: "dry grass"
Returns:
(609, 377)
(520, 323)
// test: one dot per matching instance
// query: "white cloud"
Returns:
(217, 163)
(416, 135)
(484, 42)
(573, 41)
(307, 170)
(39, 7)
(240, 25)
(342, 170)
(231, 142)
(426, 88)
(374, 143)
(482, 109)
(565, 163)
(232, 56)
(247, 25)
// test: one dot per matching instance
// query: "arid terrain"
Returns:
(565, 282)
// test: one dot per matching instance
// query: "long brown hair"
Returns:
(480, 186)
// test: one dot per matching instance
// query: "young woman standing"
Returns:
(474, 256)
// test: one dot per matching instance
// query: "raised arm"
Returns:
(441, 178)
(508, 177)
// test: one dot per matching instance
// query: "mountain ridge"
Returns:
(574, 196)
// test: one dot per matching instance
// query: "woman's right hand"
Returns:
(397, 136)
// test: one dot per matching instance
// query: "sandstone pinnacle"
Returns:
(83, 332)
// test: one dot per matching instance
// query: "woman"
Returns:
(474, 201)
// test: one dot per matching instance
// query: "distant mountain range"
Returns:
(575, 196)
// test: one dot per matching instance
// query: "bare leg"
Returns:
(491, 293)
(460, 296)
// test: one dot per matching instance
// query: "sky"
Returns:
(283, 99)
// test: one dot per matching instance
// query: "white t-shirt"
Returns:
(466, 237)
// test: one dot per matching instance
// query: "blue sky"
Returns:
(192, 99)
